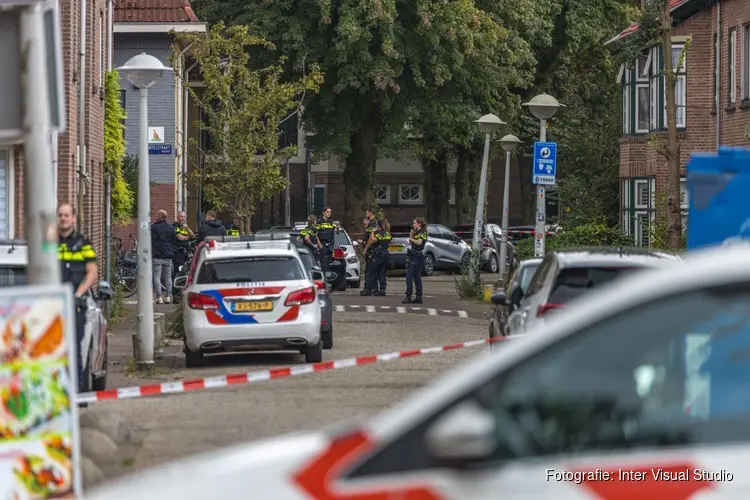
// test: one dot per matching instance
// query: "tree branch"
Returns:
(300, 108)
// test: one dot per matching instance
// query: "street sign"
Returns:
(160, 149)
(545, 163)
(11, 119)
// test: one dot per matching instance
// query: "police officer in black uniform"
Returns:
(415, 257)
(234, 228)
(309, 236)
(371, 226)
(183, 235)
(380, 256)
(326, 235)
(78, 267)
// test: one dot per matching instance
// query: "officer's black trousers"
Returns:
(371, 275)
(380, 266)
(80, 329)
(414, 274)
(326, 254)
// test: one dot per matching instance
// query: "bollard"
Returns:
(159, 325)
(489, 290)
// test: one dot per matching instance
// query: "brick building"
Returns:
(712, 95)
(147, 26)
(96, 40)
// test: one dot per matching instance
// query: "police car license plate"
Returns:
(395, 248)
(264, 305)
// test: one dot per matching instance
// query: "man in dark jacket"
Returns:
(211, 227)
(162, 249)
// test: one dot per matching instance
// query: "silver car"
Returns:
(444, 250)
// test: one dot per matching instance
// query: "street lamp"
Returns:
(143, 71)
(509, 143)
(488, 124)
(543, 107)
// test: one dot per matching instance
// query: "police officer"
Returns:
(309, 236)
(371, 226)
(183, 235)
(380, 257)
(326, 235)
(415, 256)
(78, 267)
(234, 228)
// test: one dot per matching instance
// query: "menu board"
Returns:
(38, 416)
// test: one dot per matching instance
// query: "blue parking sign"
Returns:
(545, 163)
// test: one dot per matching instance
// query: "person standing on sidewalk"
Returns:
(78, 267)
(415, 255)
(162, 248)
(183, 235)
(211, 227)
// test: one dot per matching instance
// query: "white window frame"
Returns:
(101, 49)
(625, 206)
(626, 105)
(684, 202)
(401, 199)
(681, 96)
(10, 192)
(732, 48)
(641, 87)
(637, 231)
(717, 76)
(745, 62)
(387, 198)
(653, 86)
(639, 184)
(452, 195)
(621, 73)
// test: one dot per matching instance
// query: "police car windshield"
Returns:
(249, 269)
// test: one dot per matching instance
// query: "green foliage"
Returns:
(114, 147)
(592, 234)
(469, 281)
(244, 107)
(176, 324)
(117, 305)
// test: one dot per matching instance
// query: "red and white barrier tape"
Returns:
(260, 376)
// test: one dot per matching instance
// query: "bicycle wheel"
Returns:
(127, 280)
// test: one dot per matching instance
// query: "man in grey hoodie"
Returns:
(211, 227)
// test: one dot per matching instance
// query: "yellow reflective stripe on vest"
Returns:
(381, 237)
(325, 225)
(233, 232)
(183, 232)
(67, 256)
(88, 252)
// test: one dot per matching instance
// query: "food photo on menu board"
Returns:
(38, 417)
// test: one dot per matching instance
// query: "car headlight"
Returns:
(352, 260)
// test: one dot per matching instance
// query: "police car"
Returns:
(249, 296)
(642, 393)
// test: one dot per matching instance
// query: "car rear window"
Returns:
(249, 270)
(400, 230)
(572, 282)
(307, 259)
(342, 239)
(12, 275)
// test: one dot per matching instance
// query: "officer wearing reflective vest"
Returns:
(415, 260)
(309, 236)
(78, 267)
(380, 258)
(183, 235)
(371, 226)
(326, 235)
(234, 228)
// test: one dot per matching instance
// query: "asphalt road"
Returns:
(179, 425)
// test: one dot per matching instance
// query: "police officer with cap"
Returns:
(78, 267)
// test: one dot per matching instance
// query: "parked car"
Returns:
(13, 262)
(444, 249)
(516, 287)
(567, 274)
(491, 243)
(324, 298)
(636, 392)
(251, 295)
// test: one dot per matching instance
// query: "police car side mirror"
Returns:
(317, 275)
(466, 433)
(104, 291)
(180, 282)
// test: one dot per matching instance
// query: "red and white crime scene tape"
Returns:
(263, 375)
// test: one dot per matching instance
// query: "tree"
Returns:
(243, 108)
(655, 26)
(114, 148)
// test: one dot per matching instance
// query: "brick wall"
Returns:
(162, 196)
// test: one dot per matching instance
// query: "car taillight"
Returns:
(545, 308)
(486, 243)
(302, 297)
(202, 301)
(339, 253)
(321, 286)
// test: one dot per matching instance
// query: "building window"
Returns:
(642, 229)
(655, 65)
(717, 56)
(383, 194)
(410, 193)
(642, 104)
(684, 202)
(6, 211)
(101, 50)
(680, 86)
(732, 65)
(746, 62)
(452, 195)
(637, 214)
(625, 207)
(626, 91)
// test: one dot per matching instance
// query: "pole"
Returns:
(81, 116)
(145, 318)
(310, 188)
(541, 204)
(108, 236)
(287, 198)
(479, 217)
(504, 234)
(39, 213)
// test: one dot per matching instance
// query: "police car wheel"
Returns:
(326, 338)
(88, 378)
(193, 359)
(314, 353)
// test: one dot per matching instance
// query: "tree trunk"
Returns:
(460, 183)
(674, 213)
(359, 177)
(437, 189)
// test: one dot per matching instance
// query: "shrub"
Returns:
(176, 324)
(469, 281)
(592, 234)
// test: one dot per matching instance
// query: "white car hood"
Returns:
(263, 467)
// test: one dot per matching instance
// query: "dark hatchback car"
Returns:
(517, 286)
(491, 244)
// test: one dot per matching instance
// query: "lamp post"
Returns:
(543, 107)
(509, 144)
(143, 71)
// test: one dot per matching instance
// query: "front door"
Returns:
(319, 199)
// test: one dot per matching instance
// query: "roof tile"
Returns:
(154, 11)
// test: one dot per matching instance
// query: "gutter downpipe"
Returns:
(81, 117)
(718, 74)
(108, 180)
(181, 127)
